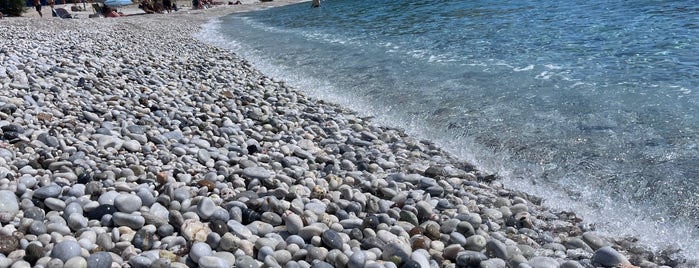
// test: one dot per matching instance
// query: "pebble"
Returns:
(199, 250)
(127, 203)
(99, 260)
(9, 207)
(609, 257)
(66, 250)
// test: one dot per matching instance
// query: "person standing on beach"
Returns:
(37, 5)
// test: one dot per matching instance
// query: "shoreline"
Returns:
(141, 108)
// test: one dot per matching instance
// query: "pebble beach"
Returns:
(127, 142)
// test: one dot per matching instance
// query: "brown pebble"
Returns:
(416, 231)
(161, 177)
(8, 243)
(208, 184)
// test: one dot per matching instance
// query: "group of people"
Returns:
(154, 6)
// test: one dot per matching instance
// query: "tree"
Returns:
(12, 7)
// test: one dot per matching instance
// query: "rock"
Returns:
(199, 250)
(294, 223)
(608, 257)
(65, 250)
(332, 239)
(475, 243)
(357, 260)
(256, 173)
(496, 249)
(101, 210)
(470, 258)
(99, 260)
(194, 230)
(8, 243)
(395, 253)
(129, 220)
(9, 207)
(52, 190)
(206, 208)
(493, 263)
(246, 262)
(127, 203)
(213, 262)
(594, 241)
(77, 262)
(543, 262)
(34, 252)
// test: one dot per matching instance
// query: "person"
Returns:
(37, 5)
(147, 7)
(167, 4)
(110, 12)
(2, 15)
(316, 3)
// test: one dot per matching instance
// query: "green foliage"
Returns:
(12, 7)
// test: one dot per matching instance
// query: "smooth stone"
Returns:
(594, 241)
(77, 221)
(54, 204)
(357, 260)
(101, 210)
(34, 252)
(493, 263)
(470, 258)
(497, 249)
(571, 264)
(35, 213)
(543, 262)
(294, 223)
(332, 239)
(246, 262)
(127, 203)
(99, 260)
(52, 190)
(238, 229)
(199, 250)
(212, 262)
(206, 208)
(108, 198)
(65, 250)
(420, 256)
(256, 172)
(140, 262)
(72, 208)
(143, 239)
(395, 253)
(475, 243)
(129, 220)
(9, 207)
(282, 257)
(77, 262)
(608, 256)
(37, 228)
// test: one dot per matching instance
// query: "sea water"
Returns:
(590, 104)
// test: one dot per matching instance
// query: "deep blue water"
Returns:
(590, 104)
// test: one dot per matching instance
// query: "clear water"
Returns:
(591, 104)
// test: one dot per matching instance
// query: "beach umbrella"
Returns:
(117, 3)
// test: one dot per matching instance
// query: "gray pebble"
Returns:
(607, 256)
(99, 260)
(65, 250)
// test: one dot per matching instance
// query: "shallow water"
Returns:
(589, 104)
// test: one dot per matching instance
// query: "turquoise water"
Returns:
(590, 104)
